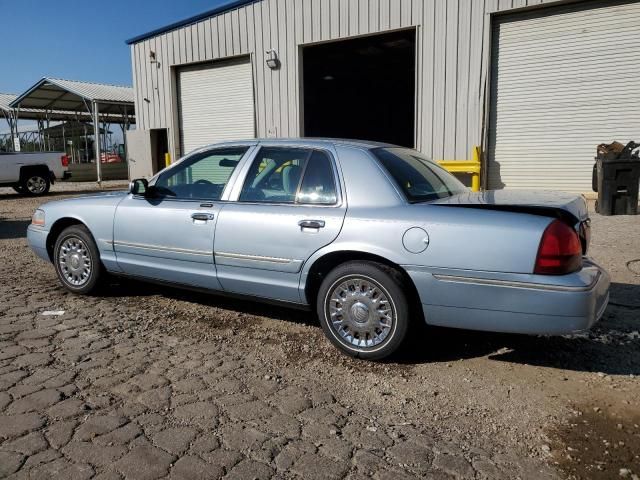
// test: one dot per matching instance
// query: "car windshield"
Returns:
(420, 178)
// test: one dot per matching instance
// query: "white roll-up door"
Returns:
(215, 103)
(564, 80)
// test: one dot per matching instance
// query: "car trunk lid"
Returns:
(568, 207)
(525, 201)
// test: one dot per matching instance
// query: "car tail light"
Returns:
(64, 160)
(560, 250)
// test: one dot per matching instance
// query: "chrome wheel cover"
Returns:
(360, 312)
(74, 261)
(36, 184)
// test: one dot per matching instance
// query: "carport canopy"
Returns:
(6, 99)
(109, 102)
(74, 96)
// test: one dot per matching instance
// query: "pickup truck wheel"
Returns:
(363, 310)
(37, 183)
(77, 260)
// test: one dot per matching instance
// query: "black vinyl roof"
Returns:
(191, 20)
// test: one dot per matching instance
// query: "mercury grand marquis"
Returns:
(374, 237)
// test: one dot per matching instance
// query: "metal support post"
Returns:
(96, 134)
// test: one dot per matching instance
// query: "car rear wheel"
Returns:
(77, 260)
(35, 183)
(363, 310)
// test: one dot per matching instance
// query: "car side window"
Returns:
(274, 175)
(202, 176)
(290, 175)
(318, 186)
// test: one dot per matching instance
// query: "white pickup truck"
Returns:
(32, 173)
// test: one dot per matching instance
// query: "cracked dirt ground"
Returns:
(152, 382)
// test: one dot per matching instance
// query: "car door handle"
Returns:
(202, 216)
(311, 223)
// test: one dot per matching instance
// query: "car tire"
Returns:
(35, 183)
(77, 260)
(363, 309)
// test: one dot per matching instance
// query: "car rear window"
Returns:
(420, 178)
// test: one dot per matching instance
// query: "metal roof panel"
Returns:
(96, 91)
(5, 101)
(71, 95)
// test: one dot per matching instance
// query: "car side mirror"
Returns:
(139, 186)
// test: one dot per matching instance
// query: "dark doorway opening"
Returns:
(159, 148)
(362, 88)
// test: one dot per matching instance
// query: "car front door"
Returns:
(168, 235)
(289, 205)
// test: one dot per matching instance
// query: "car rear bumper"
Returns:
(530, 304)
(37, 239)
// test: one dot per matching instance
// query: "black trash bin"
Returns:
(618, 181)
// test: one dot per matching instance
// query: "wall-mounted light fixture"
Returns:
(153, 60)
(273, 62)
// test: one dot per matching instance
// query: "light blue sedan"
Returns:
(374, 237)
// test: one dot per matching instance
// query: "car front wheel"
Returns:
(363, 310)
(77, 260)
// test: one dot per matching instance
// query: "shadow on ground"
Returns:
(124, 287)
(11, 229)
(612, 346)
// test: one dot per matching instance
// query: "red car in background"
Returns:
(110, 157)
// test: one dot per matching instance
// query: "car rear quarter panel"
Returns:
(459, 239)
(50, 160)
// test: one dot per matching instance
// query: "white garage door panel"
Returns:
(215, 103)
(563, 81)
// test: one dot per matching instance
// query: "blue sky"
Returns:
(80, 39)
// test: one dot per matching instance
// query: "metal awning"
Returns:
(63, 129)
(5, 100)
(54, 115)
(102, 102)
(74, 96)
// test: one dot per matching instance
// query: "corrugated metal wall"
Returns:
(453, 38)
(561, 84)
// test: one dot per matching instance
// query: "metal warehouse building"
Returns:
(537, 84)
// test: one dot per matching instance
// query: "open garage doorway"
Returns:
(362, 88)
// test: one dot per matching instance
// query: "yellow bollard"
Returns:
(167, 159)
(475, 177)
(471, 167)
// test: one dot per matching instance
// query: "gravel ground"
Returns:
(150, 382)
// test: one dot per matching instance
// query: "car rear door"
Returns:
(288, 204)
(169, 236)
